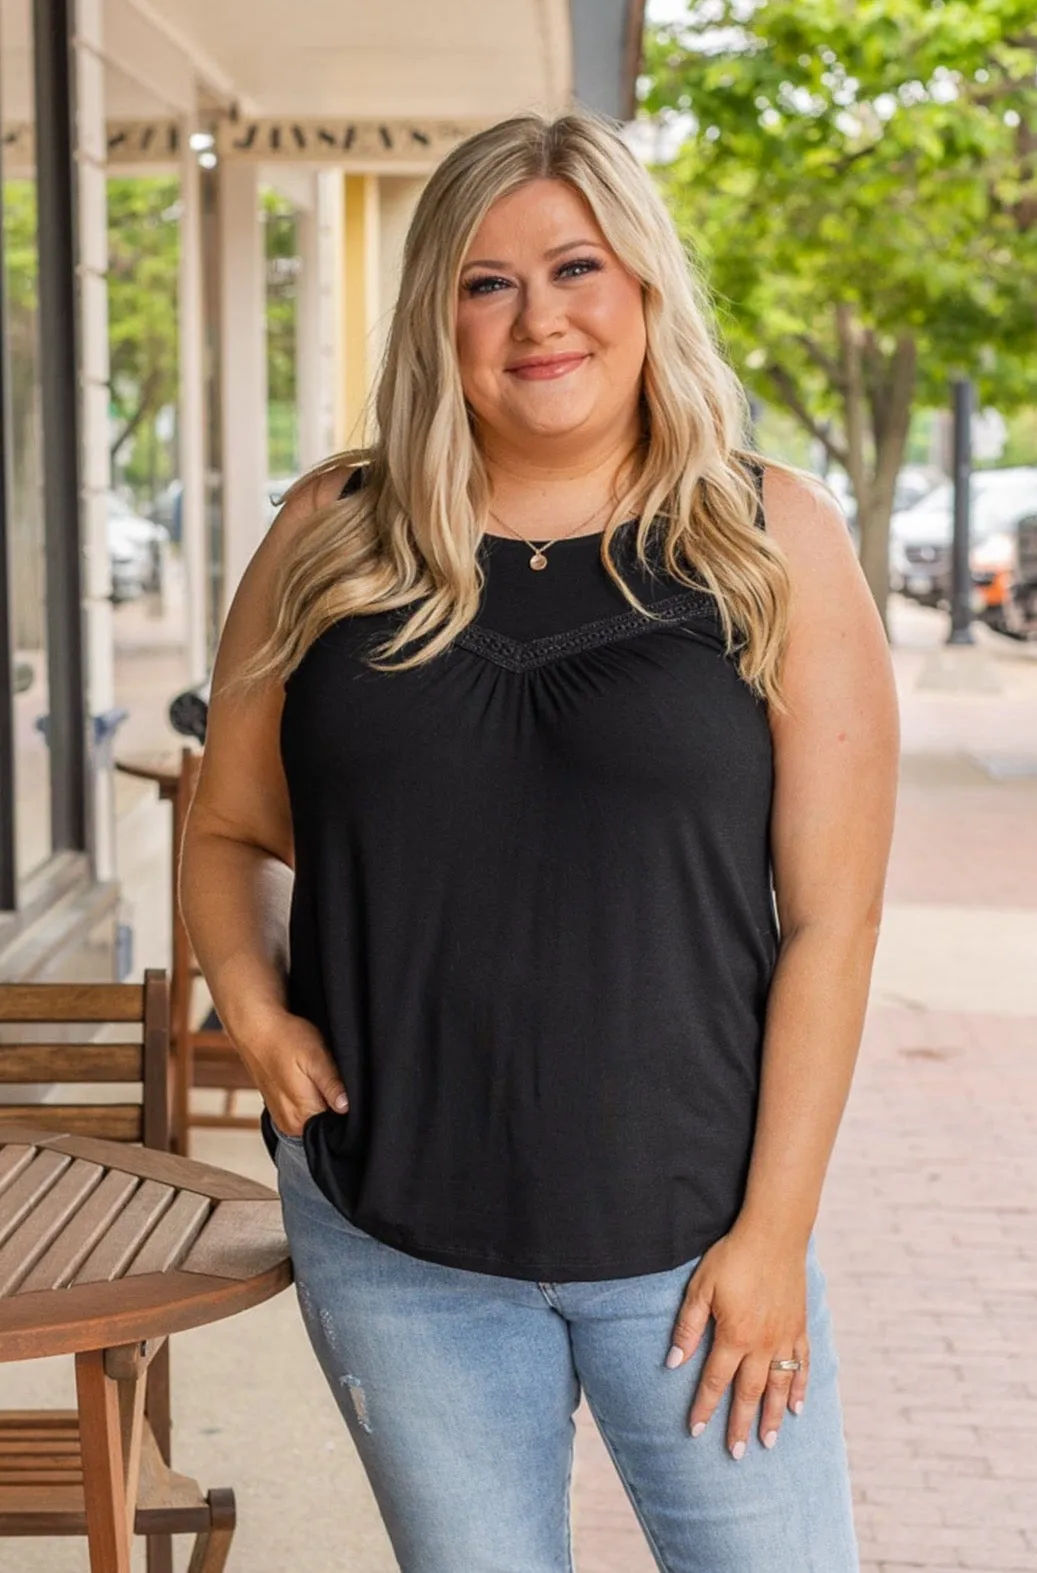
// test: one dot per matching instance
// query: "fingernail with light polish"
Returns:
(797, 1408)
(674, 1357)
(738, 1451)
(770, 1439)
(698, 1428)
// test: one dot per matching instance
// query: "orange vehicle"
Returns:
(993, 564)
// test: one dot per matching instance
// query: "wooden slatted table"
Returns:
(105, 1249)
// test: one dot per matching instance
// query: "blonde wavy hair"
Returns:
(408, 537)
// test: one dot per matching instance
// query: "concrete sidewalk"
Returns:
(928, 1231)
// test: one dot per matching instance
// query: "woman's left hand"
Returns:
(756, 1293)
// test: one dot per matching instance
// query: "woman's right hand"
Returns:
(292, 1068)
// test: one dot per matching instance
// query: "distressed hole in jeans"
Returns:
(359, 1397)
(327, 1323)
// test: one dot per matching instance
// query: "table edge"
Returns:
(126, 1310)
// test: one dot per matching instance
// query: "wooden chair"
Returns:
(41, 1479)
(203, 1056)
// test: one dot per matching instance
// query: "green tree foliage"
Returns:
(20, 300)
(860, 183)
(143, 241)
(281, 244)
(25, 524)
(143, 265)
(20, 268)
(143, 259)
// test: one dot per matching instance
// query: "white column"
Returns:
(243, 371)
(331, 269)
(191, 413)
(92, 218)
(308, 357)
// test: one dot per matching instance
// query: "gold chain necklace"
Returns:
(539, 557)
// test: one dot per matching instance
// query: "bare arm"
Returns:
(235, 881)
(835, 788)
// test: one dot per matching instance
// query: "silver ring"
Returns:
(786, 1365)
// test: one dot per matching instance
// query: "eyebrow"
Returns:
(569, 245)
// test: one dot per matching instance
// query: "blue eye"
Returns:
(488, 284)
(589, 264)
(481, 286)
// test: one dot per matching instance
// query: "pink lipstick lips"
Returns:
(544, 367)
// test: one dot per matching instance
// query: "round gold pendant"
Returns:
(538, 560)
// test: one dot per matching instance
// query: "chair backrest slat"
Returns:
(156, 1128)
(89, 1005)
(28, 1063)
(86, 1002)
(116, 1122)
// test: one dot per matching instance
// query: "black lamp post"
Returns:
(961, 573)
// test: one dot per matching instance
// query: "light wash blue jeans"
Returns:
(458, 1389)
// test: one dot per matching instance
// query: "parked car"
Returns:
(168, 509)
(920, 540)
(134, 550)
(915, 482)
(1020, 602)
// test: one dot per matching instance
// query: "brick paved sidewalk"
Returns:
(929, 1232)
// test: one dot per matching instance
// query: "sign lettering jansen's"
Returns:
(364, 142)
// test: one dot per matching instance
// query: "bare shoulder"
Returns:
(313, 494)
(252, 803)
(304, 500)
(806, 520)
(829, 591)
(836, 740)
(251, 615)
(837, 648)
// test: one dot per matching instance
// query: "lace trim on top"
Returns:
(520, 655)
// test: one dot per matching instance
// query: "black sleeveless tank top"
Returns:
(533, 919)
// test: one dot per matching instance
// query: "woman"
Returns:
(479, 871)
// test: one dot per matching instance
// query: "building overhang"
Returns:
(457, 59)
(388, 87)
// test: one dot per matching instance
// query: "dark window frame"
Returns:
(8, 866)
(59, 362)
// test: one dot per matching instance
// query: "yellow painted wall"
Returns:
(360, 240)
(376, 212)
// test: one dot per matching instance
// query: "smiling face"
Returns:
(550, 325)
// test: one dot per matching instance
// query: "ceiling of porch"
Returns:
(355, 58)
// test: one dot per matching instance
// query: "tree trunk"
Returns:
(890, 384)
(877, 391)
(147, 404)
(874, 553)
